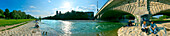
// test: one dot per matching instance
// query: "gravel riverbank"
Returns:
(136, 31)
(24, 30)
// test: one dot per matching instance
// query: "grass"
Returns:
(159, 20)
(14, 26)
(8, 22)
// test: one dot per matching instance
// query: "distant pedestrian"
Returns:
(136, 24)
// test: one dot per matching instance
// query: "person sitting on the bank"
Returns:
(144, 27)
(153, 27)
(36, 25)
(130, 23)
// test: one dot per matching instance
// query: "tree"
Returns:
(6, 13)
(2, 14)
(29, 17)
(40, 18)
(19, 10)
(72, 11)
(23, 15)
(130, 16)
(14, 14)
(1, 11)
(163, 17)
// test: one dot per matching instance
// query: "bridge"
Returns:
(138, 8)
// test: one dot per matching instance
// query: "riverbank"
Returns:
(136, 31)
(167, 26)
(24, 30)
(9, 22)
(12, 26)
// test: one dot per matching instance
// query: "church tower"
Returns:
(56, 12)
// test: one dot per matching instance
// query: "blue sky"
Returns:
(157, 16)
(48, 7)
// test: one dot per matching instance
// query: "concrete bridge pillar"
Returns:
(138, 19)
(98, 17)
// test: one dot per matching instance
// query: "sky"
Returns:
(157, 16)
(45, 8)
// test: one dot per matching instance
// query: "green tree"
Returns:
(6, 13)
(29, 17)
(40, 18)
(23, 15)
(1, 11)
(130, 16)
(2, 14)
(14, 14)
(163, 17)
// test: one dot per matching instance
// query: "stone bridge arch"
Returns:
(137, 7)
(117, 14)
(156, 7)
(164, 12)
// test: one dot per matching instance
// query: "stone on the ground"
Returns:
(24, 30)
(136, 31)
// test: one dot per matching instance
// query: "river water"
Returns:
(79, 28)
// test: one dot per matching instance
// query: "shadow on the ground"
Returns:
(160, 22)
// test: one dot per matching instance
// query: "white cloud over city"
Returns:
(32, 11)
(32, 7)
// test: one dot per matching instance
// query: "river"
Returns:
(79, 27)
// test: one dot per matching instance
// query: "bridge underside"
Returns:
(138, 8)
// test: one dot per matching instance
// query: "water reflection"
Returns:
(66, 27)
(78, 28)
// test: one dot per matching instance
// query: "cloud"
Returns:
(31, 10)
(92, 5)
(49, 1)
(32, 7)
(44, 14)
(54, 9)
(77, 8)
(82, 8)
(86, 8)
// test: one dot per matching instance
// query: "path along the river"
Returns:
(24, 30)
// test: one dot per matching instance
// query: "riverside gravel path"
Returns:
(23, 30)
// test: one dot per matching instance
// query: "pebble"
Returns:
(24, 30)
(136, 31)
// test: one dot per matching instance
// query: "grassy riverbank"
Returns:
(160, 20)
(7, 22)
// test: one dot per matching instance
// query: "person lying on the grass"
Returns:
(144, 27)
(153, 27)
